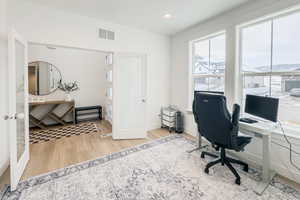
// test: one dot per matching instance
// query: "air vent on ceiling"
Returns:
(106, 34)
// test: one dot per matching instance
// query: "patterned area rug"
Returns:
(158, 170)
(61, 132)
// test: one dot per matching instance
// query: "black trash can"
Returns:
(179, 122)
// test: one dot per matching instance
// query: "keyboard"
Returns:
(248, 120)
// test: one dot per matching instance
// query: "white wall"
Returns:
(180, 67)
(3, 74)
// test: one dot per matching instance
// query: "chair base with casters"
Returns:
(224, 160)
(200, 146)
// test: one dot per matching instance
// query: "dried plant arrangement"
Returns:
(69, 87)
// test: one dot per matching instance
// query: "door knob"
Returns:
(19, 116)
(143, 100)
(15, 116)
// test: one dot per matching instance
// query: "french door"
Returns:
(129, 96)
(18, 106)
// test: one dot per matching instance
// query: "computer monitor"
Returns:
(264, 107)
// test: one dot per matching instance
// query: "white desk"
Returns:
(262, 130)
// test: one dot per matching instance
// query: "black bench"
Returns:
(92, 110)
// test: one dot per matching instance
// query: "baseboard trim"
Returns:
(4, 167)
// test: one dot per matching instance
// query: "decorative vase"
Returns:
(68, 97)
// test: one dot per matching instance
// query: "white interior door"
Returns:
(18, 107)
(129, 96)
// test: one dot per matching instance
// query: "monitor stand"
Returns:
(248, 120)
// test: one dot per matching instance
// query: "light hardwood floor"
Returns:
(48, 156)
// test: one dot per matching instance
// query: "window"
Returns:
(271, 63)
(208, 64)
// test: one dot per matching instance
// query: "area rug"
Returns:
(159, 170)
(50, 134)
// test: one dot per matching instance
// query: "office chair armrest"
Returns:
(235, 126)
(236, 114)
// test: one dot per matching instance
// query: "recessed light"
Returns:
(167, 16)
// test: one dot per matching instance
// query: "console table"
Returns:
(50, 114)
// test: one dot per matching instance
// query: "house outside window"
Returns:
(270, 63)
(208, 64)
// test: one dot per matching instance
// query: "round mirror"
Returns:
(43, 78)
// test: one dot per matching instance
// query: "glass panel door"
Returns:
(20, 97)
(18, 107)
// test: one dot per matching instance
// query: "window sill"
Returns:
(189, 111)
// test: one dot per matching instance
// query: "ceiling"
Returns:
(147, 14)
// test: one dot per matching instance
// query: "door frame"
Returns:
(17, 167)
(115, 93)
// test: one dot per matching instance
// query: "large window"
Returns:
(271, 63)
(208, 64)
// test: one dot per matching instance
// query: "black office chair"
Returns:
(220, 128)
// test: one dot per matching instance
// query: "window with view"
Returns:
(208, 64)
(271, 63)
